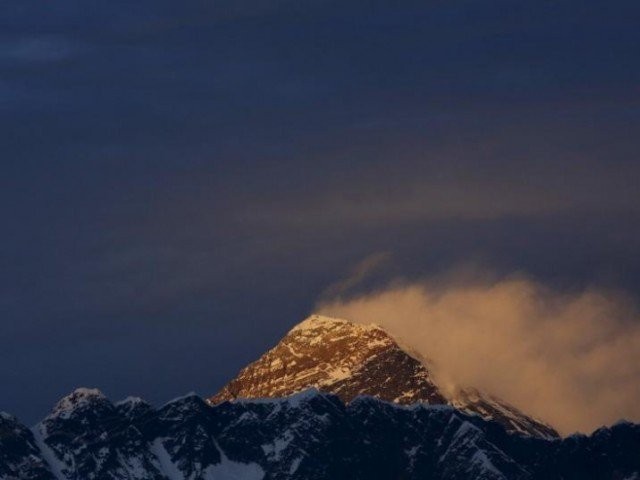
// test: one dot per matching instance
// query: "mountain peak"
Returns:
(350, 359)
(75, 405)
(79, 398)
(315, 322)
(335, 356)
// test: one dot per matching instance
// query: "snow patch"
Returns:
(337, 374)
(230, 470)
(320, 321)
(294, 465)
(56, 466)
(274, 450)
(164, 460)
(481, 460)
(298, 399)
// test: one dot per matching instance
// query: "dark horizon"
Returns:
(182, 182)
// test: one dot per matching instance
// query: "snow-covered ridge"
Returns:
(131, 401)
(7, 416)
(294, 400)
(308, 436)
(475, 402)
(182, 398)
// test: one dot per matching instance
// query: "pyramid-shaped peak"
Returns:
(349, 359)
(339, 357)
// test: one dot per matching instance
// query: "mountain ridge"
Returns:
(386, 419)
(307, 436)
(351, 359)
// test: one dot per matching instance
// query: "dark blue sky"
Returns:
(180, 181)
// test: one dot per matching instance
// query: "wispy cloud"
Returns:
(357, 274)
(571, 359)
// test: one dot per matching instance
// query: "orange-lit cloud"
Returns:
(570, 359)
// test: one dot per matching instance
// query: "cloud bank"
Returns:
(572, 360)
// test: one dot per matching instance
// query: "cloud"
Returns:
(357, 275)
(479, 180)
(572, 359)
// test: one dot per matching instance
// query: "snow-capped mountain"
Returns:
(276, 428)
(308, 436)
(348, 359)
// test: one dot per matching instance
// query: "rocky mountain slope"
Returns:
(348, 360)
(309, 436)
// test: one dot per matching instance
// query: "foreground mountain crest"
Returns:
(349, 360)
(308, 436)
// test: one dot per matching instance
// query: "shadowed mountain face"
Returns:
(309, 436)
(348, 360)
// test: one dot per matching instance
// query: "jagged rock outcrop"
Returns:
(20, 456)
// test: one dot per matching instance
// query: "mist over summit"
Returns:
(350, 360)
